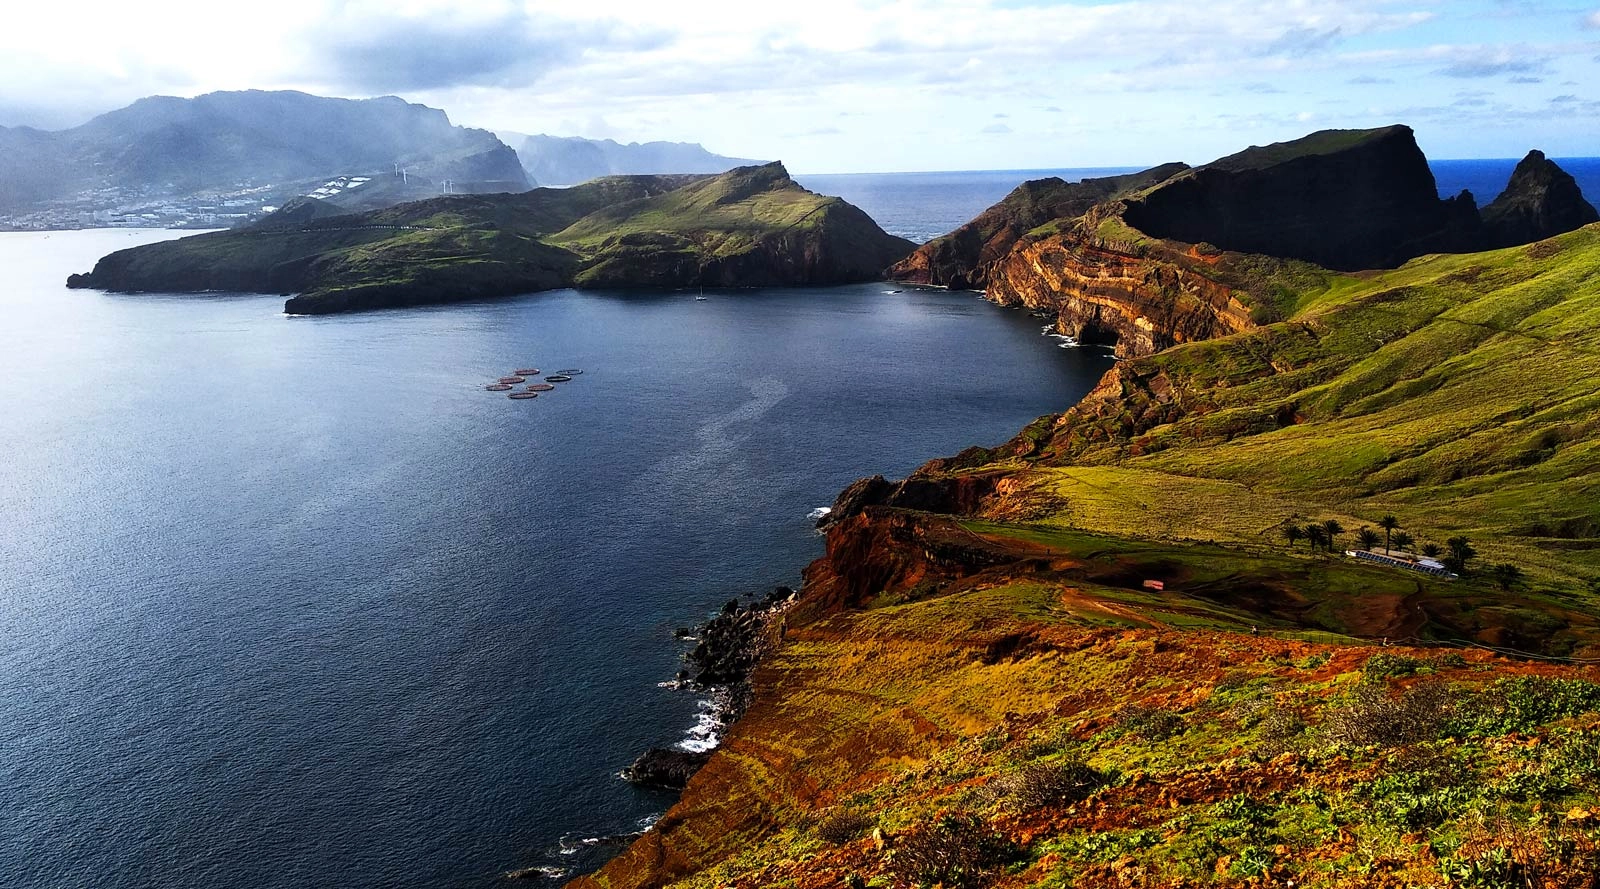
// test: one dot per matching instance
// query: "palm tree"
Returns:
(1292, 533)
(1431, 550)
(1388, 523)
(1402, 539)
(1334, 529)
(1506, 575)
(1317, 534)
(1367, 537)
(1460, 551)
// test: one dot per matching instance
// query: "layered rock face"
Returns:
(962, 258)
(1344, 199)
(1139, 300)
(1541, 201)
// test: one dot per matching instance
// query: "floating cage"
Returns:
(526, 371)
(513, 379)
(522, 395)
(572, 372)
(540, 387)
(498, 387)
(557, 378)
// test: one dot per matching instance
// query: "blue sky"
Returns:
(853, 85)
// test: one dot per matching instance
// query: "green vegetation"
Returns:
(751, 226)
(1097, 758)
(1458, 393)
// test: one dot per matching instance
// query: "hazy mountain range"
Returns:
(568, 160)
(254, 148)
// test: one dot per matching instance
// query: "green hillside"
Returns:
(1459, 394)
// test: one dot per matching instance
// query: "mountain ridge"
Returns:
(221, 141)
(570, 160)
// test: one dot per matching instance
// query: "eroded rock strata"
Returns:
(962, 258)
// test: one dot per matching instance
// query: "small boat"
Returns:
(526, 371)
(521, 395)
(540, 387)
(699, 299)
(557, 378)
(513, 379)
(498, 387)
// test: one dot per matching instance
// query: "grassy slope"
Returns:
(1222, 753)
(1458, 393)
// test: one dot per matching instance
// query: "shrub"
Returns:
(1514, 858)
(1150, 723)
(1374, 718)
(1384, 665)
(994, 739)
(1057, 783)
(955, 851)
(1279, 729)
(1525, 703)
(839, 828)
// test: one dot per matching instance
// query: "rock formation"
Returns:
(1344, 199)
(1541, 201)
(962, 258)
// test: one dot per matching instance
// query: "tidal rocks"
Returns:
(1541, 201)
(665, 769)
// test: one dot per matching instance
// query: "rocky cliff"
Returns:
(962, 258)
(1344, 199)
(1140, 298)
(750, 227)
(1541, 201)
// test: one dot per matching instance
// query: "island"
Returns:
(750, 227)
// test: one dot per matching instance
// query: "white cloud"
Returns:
(756, 79)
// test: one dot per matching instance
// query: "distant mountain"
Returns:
(568, 160)
(227, 141)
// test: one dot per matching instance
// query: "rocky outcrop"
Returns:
(962, 258)
(1344, 199)
(665, 769)
(1139, 299)
(1541, 201)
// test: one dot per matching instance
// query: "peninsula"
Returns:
(749, 227)
(1127, 648)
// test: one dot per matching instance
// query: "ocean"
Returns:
(291, 602)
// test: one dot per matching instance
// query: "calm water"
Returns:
(293, 601)
(922, 206)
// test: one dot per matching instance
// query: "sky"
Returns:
(861, 85)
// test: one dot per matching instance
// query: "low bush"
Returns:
(1150, 723)
(1375, 718)
(839, 828)
(1383, 666)
(1525, 703)
(1057, 783)
(954, 851)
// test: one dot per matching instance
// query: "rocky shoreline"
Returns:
(727, 649)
